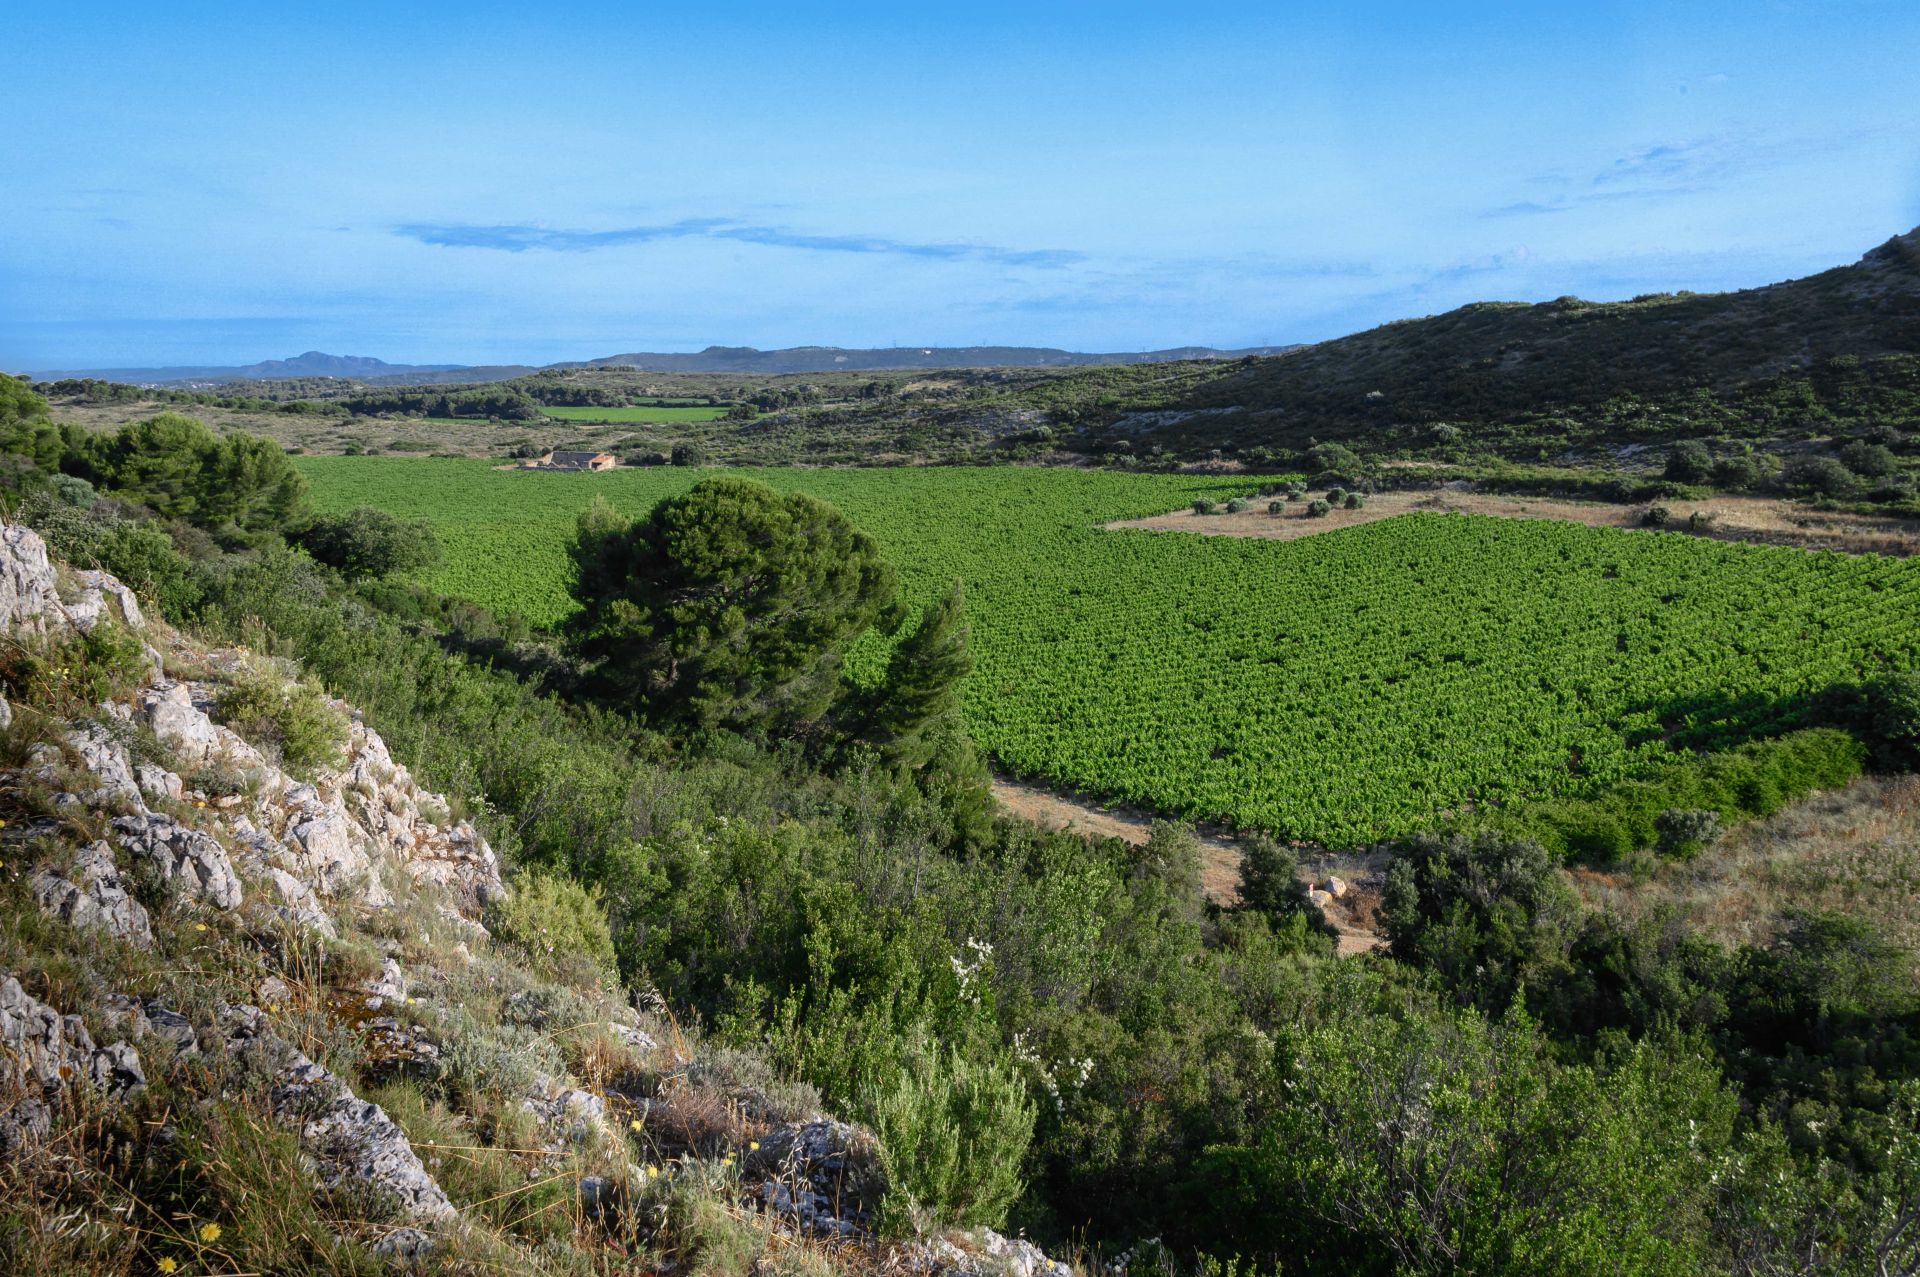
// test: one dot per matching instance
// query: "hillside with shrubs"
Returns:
(347, 928)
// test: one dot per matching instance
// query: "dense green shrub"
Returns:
(1656, 516)
(1203, 506)
(1417, 1143)
(1336, 461)
(1480, 909)
(1318, 508)
(291, 720)
(559, 926)
(1869, 460)
(1737, 473)
(1690, 461)
(1238, 505)
(953, 1134)
(1276, 507)
(1753, 779)
(1892, 719)
(367, 543)
(1354, 501)
(1818, 476)
(688, 454)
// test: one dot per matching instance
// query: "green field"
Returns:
(637, 416)
(1342, 687)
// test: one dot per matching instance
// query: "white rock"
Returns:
(94, 897)
(43, 1054)
(106, 758)
(103, 596)
(157, 784)
(29, 599)
(350, 1139)
(186, 858)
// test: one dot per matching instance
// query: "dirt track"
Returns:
(1220, 855)
(1766, 520)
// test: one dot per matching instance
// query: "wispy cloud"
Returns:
(527, 238)
(1668, 163)
(1687, 166)
(523, 238)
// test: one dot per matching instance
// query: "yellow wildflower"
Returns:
(209, 1233)
(199, 926)
(753, 1146)
(635, 1124)
(167, 1264)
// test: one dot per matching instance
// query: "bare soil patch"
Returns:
(1764, 520)
(1353, 914)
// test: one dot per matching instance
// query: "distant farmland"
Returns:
(642, 415)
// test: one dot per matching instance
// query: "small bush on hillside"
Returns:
(73, 675)
(1656, 516)
(1893, 719)
(1869, 460)
(1701, 520)
(1689, 462)
(290, 720)
(559, 925)
(1203, 507)
(1336, 496)
(366, 543)
(1335, 459)
(688, 454)
(1736, 474)
(952, 1136)
(1270, 885)
(1818, 476)
(1354, 501)
(1318, 509)
(1238, 505)
(71, 490)
(1276, 507)
(1683, 831)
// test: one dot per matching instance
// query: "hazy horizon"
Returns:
(199, 187)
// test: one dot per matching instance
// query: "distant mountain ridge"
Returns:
(744, 359)
(795, 359)
(313, 363)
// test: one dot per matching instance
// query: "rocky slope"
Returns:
(211, 959)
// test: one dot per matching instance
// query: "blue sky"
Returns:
(479, 182)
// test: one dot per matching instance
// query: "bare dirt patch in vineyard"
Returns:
(1765, 520)
(1353, 915)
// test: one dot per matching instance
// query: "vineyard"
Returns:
(1341, 687)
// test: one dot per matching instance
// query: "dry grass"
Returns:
(1854, 851)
